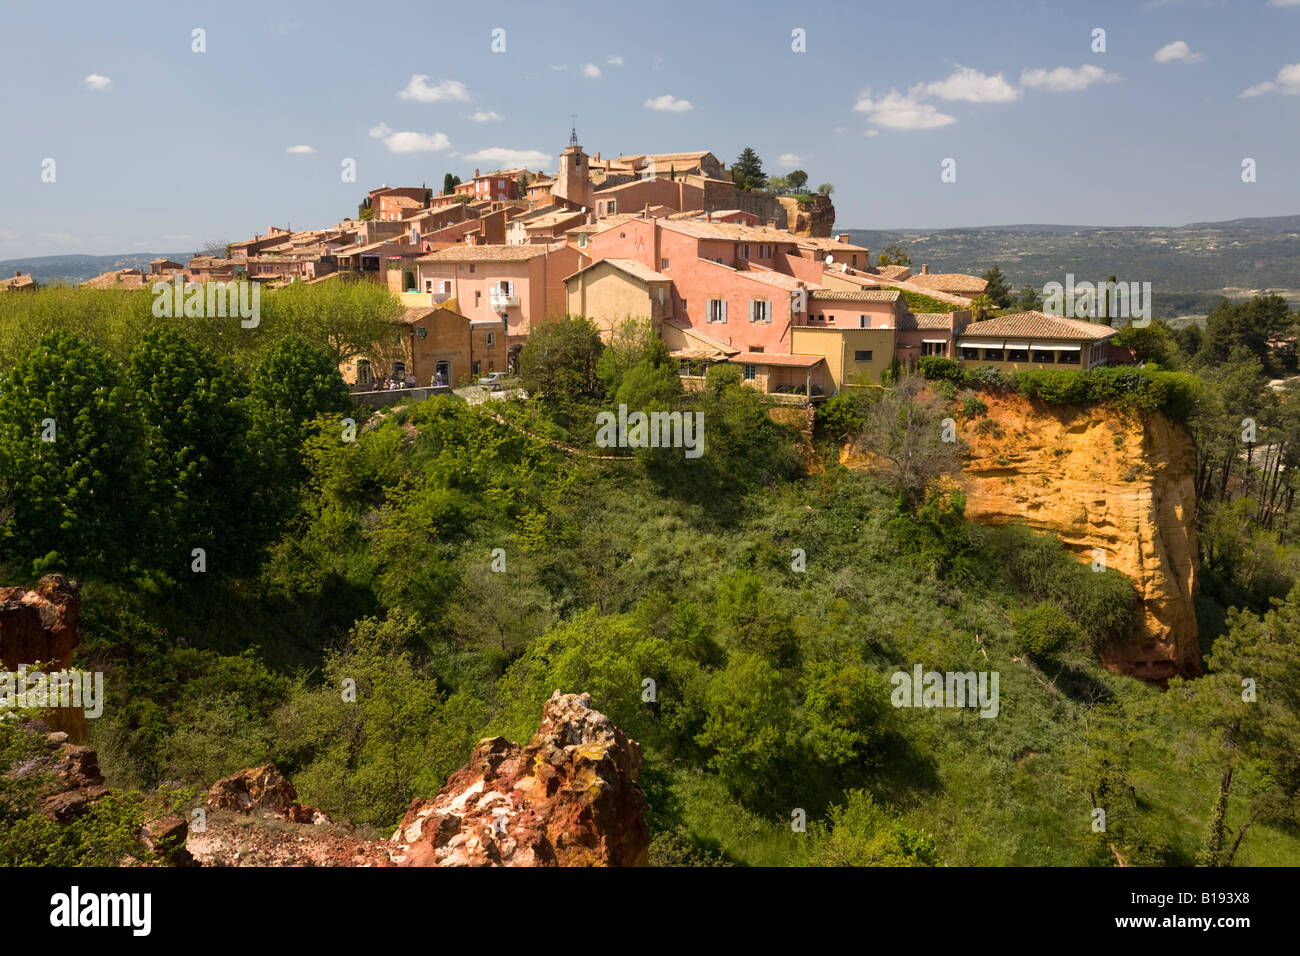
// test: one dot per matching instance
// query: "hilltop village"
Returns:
(726, 274)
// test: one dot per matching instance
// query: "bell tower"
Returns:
(573, 180)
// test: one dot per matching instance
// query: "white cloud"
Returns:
(896, 111)
(1064, 79)
(789, 160)
(557, 67)
(871, 132)
(668, 103)
(420, 90)
(618, 60)
(505, 158)
(591, 71)
(94, 81)
(486, 116)
(409, 142)
(971, 86)
(301, 149)
(1177, 52)
(1287, 81)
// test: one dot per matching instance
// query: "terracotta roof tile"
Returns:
(1036, 325)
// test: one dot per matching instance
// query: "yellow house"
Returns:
(854, 357)
(610, 290)
(1028, 340)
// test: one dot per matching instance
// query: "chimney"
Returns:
(17, 273)
(476, 174)
(925, 270)
(708, 217)
(771, 224)
(843, 237)
(597, 155)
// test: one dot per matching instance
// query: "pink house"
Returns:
(522, 284)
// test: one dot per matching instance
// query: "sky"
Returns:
(158, 138)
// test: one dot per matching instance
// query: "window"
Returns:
(993, 355)
(1068, 358)
(506, 287)
(428, 285)
(1046, 358)
(477, 297)
(1017, 355)
(471, 268)
(750, 372)
(611, 207)
(744, 251)
(445, 286)
(862, 355)
(760, 310)
(582, 241)
(970, 355)
(864, 322)
(717, 310)
(399, 370)
(491, 340)
(757, 348)
(663, 265)
(934, 348)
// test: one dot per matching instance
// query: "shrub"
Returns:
(1044, 628)
(934, 367)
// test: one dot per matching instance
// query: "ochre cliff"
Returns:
(1100, 478)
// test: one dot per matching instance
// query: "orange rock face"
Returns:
(39, 625)
(1097, 478)
(569, 798)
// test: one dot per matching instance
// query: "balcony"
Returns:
(502, 300)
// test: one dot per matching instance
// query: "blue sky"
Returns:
(158, 148)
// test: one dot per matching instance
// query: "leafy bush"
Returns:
(935, 367)
(1043, 629)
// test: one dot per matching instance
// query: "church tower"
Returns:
(573, 180)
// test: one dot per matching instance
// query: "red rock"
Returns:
(41, 625)
(568, 798)
(258, 788)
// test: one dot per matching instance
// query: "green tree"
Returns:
(1029, 299)
(200, 476)
(797, 181)
(71, 457)
(559, 361)
(981, 307)
(747, 171)
(997, 288)
(631, 342)
(749, 729)
(1246, 713)
(826, 189)
(449, 184)
(894, 254)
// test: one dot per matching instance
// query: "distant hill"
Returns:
(1187, 266)
(73, 269)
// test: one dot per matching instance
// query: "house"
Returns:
(164, 267)
(838, 250)
(519, 285)
(549, 224)
(611, 290)
(391, 210)
(953, 283)
(788, 374)
(18, 282)
(928, 333)
(1029, 340)
(852, 357)
(504, 184)
(375, 261)
(636, 195)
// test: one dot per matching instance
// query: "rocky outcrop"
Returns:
(816, 219)
(568, 798)
(1099, 478)
(264, 790)
(40, 625)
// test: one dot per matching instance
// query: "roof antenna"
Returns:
(573, 129)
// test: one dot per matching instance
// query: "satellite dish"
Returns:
(829, 258)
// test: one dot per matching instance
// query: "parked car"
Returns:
(493, 380)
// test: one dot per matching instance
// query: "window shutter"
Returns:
(752, 303)
(724, 310)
